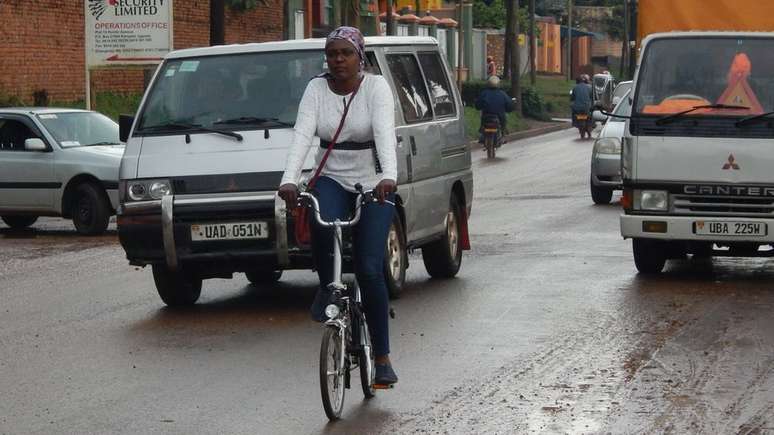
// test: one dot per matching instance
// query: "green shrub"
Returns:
(11, 101)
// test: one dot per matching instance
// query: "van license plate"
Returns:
(229, 231)
(710, 228)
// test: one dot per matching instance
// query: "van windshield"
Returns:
(258, 90)
(678, 74)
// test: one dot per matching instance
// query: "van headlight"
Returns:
(144, 190)
(607, 145)
(651, 200)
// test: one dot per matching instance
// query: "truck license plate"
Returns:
(713, 228)
(229, 231)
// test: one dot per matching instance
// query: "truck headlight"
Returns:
(652, 200)
(144, 190)
(607, 145)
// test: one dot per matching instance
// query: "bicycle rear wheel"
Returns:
(332, 370)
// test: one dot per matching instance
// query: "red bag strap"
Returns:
(335, 137)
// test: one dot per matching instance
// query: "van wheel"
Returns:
(90, 210)
(19, 222)
(259, 276)
(176, 289)
(649, 255)
(600, 195)
(443, 257)
(395, 259)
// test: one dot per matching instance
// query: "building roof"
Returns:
(296, 44)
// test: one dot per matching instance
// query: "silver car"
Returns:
(58, 162)
(606, 155)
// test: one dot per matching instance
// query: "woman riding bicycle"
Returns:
(363, 153)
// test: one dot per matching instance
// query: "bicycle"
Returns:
(346, 342)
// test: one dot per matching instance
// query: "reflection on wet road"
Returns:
(547, 329)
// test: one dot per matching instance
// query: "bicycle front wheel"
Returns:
(332, 370)
(366, 362)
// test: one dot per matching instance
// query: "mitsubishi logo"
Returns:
(731, 164)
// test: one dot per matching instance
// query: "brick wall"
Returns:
(43, 44)
(495, 47)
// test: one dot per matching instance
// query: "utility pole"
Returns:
(390, 21)
(569, 40)
(625, 46)
(460, 43)
(532, 42)
(217, 22)
(515, 57)
(509, 37)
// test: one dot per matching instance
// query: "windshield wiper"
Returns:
(102, 143)
(252, 120)
(191, 127)
(671, 118)
(750, 119)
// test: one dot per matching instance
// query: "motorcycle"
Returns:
(493, 135)
(583, 122)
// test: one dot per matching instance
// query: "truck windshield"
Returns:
(258, 90)
(678, 74)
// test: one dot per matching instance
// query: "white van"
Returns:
(697, 153)
(206, 152)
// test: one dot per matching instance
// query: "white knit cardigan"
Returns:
(371, 117)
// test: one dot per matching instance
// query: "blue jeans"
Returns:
(370, 242)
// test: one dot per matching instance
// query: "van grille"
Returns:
(722, 205)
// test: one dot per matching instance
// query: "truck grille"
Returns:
(722, 205)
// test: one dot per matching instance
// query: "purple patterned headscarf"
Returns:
(351, 35)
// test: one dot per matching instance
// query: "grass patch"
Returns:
(555, 91)
(473, 122)
(107, 103)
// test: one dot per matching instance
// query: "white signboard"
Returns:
(121, 32)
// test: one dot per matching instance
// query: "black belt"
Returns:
(356, 146)
(349, 145)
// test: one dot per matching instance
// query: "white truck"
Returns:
(698, 151)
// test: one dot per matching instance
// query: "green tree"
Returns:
(493, 17)
(614, 24)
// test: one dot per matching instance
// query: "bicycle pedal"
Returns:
(383, 386)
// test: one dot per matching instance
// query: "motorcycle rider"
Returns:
(494, 101)
(582, 101)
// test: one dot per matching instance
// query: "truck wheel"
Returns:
(176, 289)
(395, 259)
(90, 210)
(600, 195)
(649, 255)
(19, 222)
(259, 276)
(443, 257)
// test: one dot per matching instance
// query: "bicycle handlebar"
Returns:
(361, 199)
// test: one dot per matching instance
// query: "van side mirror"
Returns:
(35, 144)
(124, 127)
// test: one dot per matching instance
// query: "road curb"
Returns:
(525, 134)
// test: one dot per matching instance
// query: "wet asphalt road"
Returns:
(547, 329)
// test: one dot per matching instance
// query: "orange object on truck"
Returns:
(654, 16)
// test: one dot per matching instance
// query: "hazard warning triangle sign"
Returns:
(738, 91)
